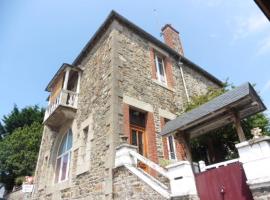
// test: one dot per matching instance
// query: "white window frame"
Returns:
(174, 148)
(157, 69)
(61, 156)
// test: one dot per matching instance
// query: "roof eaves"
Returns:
(61, 69)
(196, 114)
(265, 8)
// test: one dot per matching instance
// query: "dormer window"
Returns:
(160, 69)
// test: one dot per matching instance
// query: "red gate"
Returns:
(223, 183)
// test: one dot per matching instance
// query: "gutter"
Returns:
(184, 81)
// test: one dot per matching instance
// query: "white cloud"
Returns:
(264, 47)
(266, 86)
(246, 26)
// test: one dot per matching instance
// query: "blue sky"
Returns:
(228, 38)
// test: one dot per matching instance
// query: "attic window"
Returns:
(160, 69)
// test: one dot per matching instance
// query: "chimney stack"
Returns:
(172, 39)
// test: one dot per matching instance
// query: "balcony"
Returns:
(63, 99)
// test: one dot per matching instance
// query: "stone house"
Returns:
(121, 89)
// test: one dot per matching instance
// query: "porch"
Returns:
(228, 108)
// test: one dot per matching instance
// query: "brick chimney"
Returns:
(172, 39)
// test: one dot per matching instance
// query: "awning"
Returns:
(242, 101)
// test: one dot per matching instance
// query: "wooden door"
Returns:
(137, 138)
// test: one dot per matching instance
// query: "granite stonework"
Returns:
(119, 64)
(135, 70)
(128, 186)
(95, 99)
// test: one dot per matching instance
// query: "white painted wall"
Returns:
(255, 156)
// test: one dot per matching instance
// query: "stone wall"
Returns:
(134, 54)
(128, 186)
(95, 100)
(118, 65)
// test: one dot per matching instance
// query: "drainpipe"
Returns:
(184, 82)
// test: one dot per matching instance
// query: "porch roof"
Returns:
(243, 101)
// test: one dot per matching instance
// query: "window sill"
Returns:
(59, 186)
(163, 85)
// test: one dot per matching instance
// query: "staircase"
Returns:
(179, 175)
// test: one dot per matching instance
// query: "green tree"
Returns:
(219, 145)
(19, 118)
(18, 153)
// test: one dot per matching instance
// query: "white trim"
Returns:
(66, 78)
(137, 103)
(166, 114)
(78, 82)
(174, 148)
(61, 156)
(203, 167)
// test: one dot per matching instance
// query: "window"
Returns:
(160, 69)
(171, 145)
(171, 148)
(63, 158)
(137, 128)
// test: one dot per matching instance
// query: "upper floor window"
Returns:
(160, 69)
(63, 158)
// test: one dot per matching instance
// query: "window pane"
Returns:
(134, 138)
(161, 68)
(137, 118)
(69, 140)
(58, 163)
(65, 159)
(140, 134)
(63, 146)
(171, 147)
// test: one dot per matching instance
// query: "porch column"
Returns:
(240, 132)
(66, 78)
(78, 83)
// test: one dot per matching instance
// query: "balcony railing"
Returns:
(66, 98)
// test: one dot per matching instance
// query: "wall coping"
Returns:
(179, 163)
(253, 141)
(125, 145)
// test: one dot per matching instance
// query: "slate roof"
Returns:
(227, 99)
